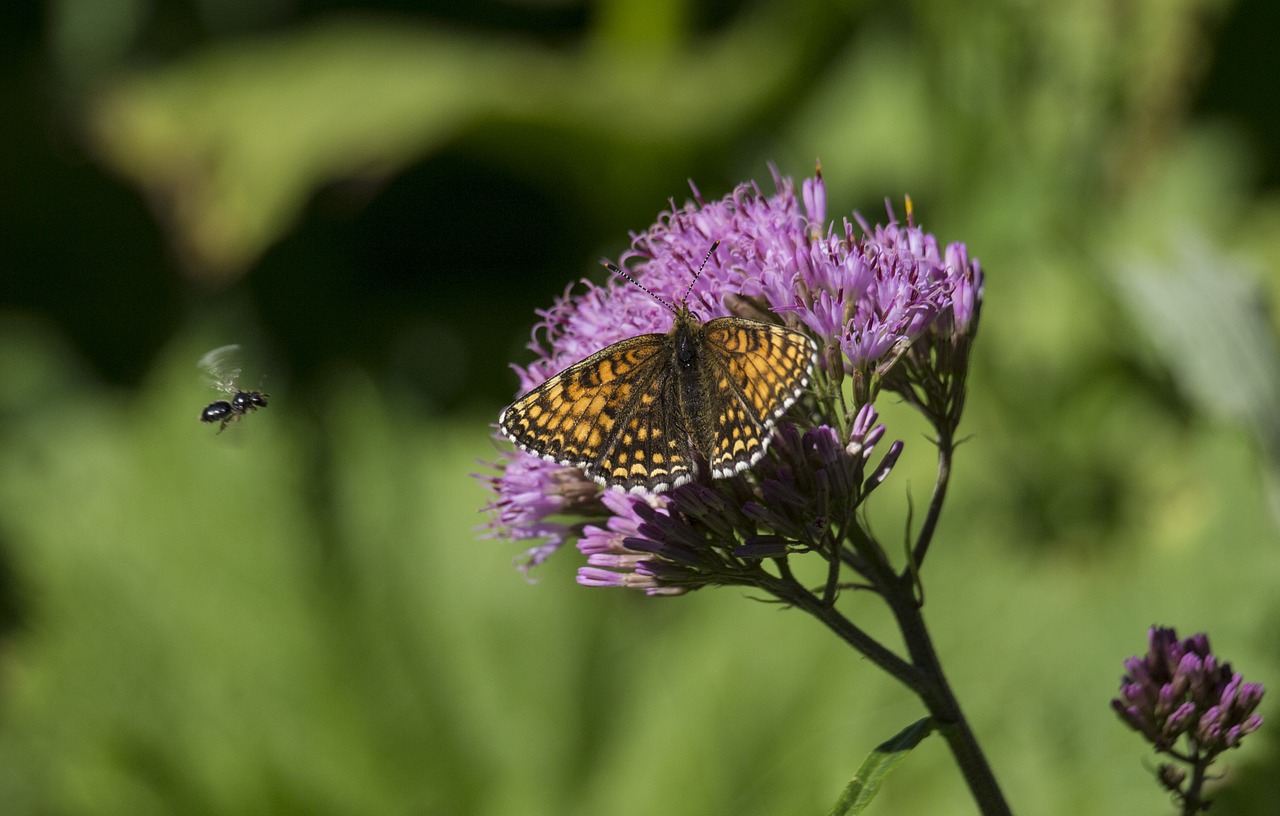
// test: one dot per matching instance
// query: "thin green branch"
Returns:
(946, 451)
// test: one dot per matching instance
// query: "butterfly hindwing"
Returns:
(760, 371)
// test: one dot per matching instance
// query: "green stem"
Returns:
(795, 594)
(923, 675)
(946, 449)
(1192, 802)
(943, 705)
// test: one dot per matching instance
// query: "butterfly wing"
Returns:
(756, 372)
(599, 415)
(652, 450)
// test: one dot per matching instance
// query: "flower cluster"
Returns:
(803, 499)
(1190, 705)
(528, 493)
(868, 300)
(1181, 688)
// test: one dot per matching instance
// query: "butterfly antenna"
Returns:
(615, 269)
(688, 291)
(612, 267)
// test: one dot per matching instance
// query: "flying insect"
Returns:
(220, 373)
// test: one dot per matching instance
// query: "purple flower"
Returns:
(870, 297)
(696, 535)
(1180, 688)
(610, 562)
(866, 297)
(528, 491)
(815, 483)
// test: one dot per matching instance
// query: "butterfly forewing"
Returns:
(651, 449)
(578, 417)
(760, 370)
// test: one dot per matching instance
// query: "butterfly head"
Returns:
(681, 312)
(687, 333)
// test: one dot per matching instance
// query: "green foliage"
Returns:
(864, 786)
(236, 138)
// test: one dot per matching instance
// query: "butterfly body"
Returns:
(654, 411)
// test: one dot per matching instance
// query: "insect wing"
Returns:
(586, 415)
(760, 371)
(651, 449)
(220, 368)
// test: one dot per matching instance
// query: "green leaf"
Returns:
(866, 782)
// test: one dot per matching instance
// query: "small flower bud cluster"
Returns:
(1189, 704)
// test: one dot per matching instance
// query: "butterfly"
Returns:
(649, 413)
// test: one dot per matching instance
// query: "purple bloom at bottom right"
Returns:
(1180, 689)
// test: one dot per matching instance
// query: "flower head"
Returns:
(1181, 688)
(864, 299)
(696, 535)
(528, 493)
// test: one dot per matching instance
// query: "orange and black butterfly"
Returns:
(647, 413)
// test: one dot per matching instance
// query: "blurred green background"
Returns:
(296, 616)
